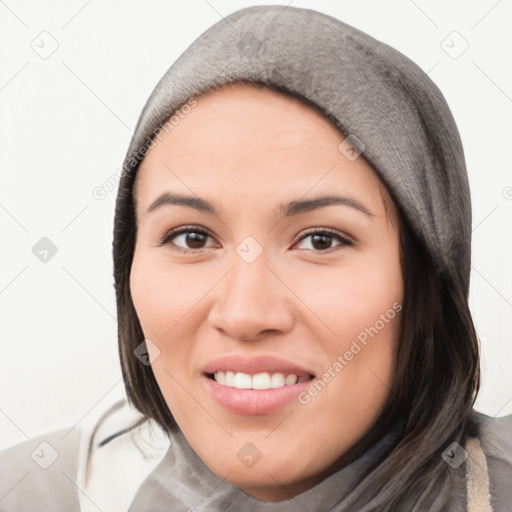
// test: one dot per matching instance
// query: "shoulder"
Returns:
(495, 429)
(72, 469)
(495, 437)
(33, 473)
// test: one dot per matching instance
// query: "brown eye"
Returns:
(321, 240)
(186, 238)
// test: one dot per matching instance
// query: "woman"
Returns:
(292, 258)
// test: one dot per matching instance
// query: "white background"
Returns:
(66, 122)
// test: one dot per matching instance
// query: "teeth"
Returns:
(230, 379)
(243, 381)
(263, 380)
(277, 380)
(290, 380)
(220, 377)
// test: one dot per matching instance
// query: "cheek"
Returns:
(152, 296)
(359, 305)
(162, 296)
(353, 297)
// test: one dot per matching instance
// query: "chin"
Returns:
(269, 472)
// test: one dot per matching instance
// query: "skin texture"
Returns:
(248, 149)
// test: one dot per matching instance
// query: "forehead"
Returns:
(246, 137)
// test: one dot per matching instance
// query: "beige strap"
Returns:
(477, 478)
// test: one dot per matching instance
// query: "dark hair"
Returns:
(437, 368)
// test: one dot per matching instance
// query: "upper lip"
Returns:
(253, 365)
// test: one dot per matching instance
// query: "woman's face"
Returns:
(269, 285)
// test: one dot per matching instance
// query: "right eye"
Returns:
(190, 237)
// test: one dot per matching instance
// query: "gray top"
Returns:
(32, 479)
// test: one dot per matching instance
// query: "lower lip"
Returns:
(254, 401)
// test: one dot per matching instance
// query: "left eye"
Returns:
(321, 240)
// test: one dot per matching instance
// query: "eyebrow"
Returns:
(286, 210)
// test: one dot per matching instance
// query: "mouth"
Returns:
(253, 386)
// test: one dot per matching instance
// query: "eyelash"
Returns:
(166, 239)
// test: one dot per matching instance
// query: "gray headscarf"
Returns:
(382, 101)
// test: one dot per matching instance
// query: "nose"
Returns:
(252, 301)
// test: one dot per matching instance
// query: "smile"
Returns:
(255, 385)
(264, 380)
